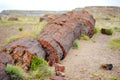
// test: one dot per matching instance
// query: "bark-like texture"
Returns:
(4, 59)
(22, 51)
(60, 33)
(52, 44)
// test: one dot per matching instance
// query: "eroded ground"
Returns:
(85, 62)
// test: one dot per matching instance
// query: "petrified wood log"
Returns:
(12, 19)
(54, 41)
(60, 33)
(22, 51)
(48, 17)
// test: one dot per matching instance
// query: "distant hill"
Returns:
(91, 9)
(105, 9)
(28, 12)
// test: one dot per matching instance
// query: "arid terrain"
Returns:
(82, 63)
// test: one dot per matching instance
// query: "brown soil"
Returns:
(82, 62)
(6, 32)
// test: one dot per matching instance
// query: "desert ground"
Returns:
(82, 63)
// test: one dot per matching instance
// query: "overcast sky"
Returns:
(53, 4)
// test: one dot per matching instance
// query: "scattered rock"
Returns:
(56, 78)
(107, 66)
(12, 19)
(106, 18)
(48, 17)
(107, 31)
(58, 73)
(59, 67)
(95, 78)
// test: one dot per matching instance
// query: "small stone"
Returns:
(58, 73)
(59, 67)
(107, 66)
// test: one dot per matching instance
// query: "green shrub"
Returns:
(95, 30)
(109, 31)
(113, 78)
(75, 44)
(96, 74)
(115, 43)
(13, 71)
(84, 37)
(39, 67)
(117, 29)
(37, 62)
(20, 29)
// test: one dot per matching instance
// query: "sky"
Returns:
(55, 5)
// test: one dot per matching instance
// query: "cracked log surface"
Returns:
(52, 44)
(22, 51)
(60, 33)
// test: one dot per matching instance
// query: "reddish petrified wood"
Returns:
(12, 19)
(54, 42)
(4, 59)
(60, 33)
(22, 51)
(48, 17)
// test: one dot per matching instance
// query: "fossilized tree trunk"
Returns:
(59, 34)
(52, 44)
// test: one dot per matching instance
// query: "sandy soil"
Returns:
(6, 32)
(81, 63)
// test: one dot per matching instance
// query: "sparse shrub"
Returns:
(14, 72)
(95, 30)
(84, 37)
(96, 74)
(113, 78)
(39, 67)
(20, 29)
(75, 44)
(110, 77)
(115, 43)
(109, 31)
(37, 62)
(93, 40)
(117, 29)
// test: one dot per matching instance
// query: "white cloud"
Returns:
(54, 4)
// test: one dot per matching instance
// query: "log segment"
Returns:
(60, 33)
(54, 42)
(22, 50)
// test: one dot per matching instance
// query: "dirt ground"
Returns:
(81, 63)
(6, 32)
